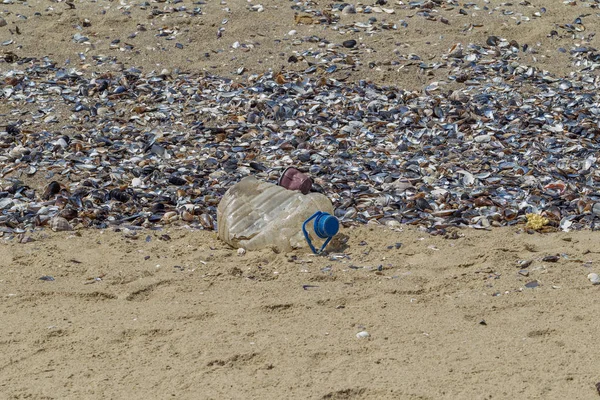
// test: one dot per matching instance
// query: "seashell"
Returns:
(157, 208)
(351, 213)
(187, 216)
(51, 190)
(400, 185)
(119, 195)
(18, 152)
(177, 181)
(60, 224)
(392, 223)
(363, 335)
(206, 221)
(43, 210)
(596, 209)
(492, 40)
(40, 220)
(68, 213)
(136, 182)
(349, 9)
(6, 203)
(169, 216)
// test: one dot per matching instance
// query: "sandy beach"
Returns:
(497, 313)
(189, 318)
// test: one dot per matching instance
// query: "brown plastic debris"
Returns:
(292, 179)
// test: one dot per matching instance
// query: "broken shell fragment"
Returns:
(60, 224)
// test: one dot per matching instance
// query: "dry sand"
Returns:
(189, 318)
(186, 317)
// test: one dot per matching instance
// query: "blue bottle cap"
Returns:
(326, 226)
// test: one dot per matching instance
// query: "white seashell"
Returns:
(349, 9)
(468, 178)
(169, 216)
(350, 213)
(565, 224)
(189, 207)
(43, 210)
(400, 185)
(363, 335)
(241, 251)
(5, 203)
(594, 278)
(18, 152)
(136, 182)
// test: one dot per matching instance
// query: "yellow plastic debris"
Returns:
(536, 221)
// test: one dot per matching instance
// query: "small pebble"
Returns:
(241, 251)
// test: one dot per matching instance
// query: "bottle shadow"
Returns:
(339, 243)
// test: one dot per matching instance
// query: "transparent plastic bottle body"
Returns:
(254, 215)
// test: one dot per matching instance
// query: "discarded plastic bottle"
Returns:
(254, 214)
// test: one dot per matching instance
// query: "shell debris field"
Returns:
(496, 138)
(132, 148)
